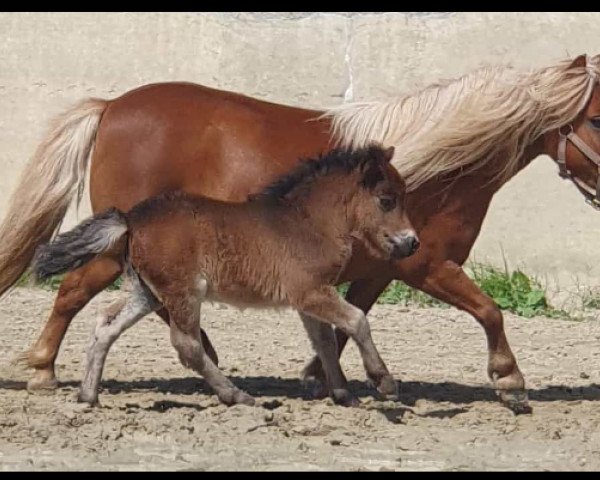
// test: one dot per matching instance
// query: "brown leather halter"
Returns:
(591, 196)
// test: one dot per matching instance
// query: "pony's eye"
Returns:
(387, 203)
(595, 122)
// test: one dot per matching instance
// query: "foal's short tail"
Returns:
(49, 182)
(76, 247)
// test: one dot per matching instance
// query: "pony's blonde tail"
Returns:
(52, 177)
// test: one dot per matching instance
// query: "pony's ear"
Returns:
(579, 62)
(388, 154)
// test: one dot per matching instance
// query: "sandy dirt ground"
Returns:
(156, 415)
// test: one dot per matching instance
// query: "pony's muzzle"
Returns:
(404, 244)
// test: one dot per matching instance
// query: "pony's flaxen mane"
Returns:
(338, 159)
(481, 121)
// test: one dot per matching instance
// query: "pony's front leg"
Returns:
(451, 284)
(327, 306)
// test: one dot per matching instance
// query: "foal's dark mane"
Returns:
(340, 159)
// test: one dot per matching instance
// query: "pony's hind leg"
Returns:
(186, 338)
(76, 290)
(326, 305)
(111, 324)
(323, 341)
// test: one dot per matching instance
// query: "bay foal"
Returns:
(286, 246)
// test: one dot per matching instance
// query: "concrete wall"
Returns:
(50, 60)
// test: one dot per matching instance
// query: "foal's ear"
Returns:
(579, 62)
(388, 154)
(372, 176)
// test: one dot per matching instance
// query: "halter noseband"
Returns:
(592, 196)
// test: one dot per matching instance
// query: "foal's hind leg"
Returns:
(76, 290)
(115, 320)
(186, 338)
(323, 340)
(208, 347)
(327, 306)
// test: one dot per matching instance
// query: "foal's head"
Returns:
(363, 187)
(380, 208)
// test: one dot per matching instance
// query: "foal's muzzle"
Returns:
(404, 244)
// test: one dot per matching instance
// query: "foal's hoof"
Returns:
(90, 399)
(314, 379)
(515, 400)
(42, 384)
(318, 390)
(236, 396)
(388, 388)
(343, 397)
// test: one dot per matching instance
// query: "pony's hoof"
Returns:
(515, 400)
(343, 397)
(42, 383)
(388, 388)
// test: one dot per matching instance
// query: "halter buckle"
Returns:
(569, 126)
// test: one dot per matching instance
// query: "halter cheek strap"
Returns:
(593, 196)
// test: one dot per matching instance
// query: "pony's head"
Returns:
(489, 122)
(575, 146)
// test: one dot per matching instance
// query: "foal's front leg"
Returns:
(326, 305)
(363, 294)
(323, 340)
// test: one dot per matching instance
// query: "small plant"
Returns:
(513, 291)
(398, 293)
(589, 297)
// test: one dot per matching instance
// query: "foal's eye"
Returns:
(387, 203)
(595, 122)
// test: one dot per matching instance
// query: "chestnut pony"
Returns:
(460, 141)
(285, 247)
